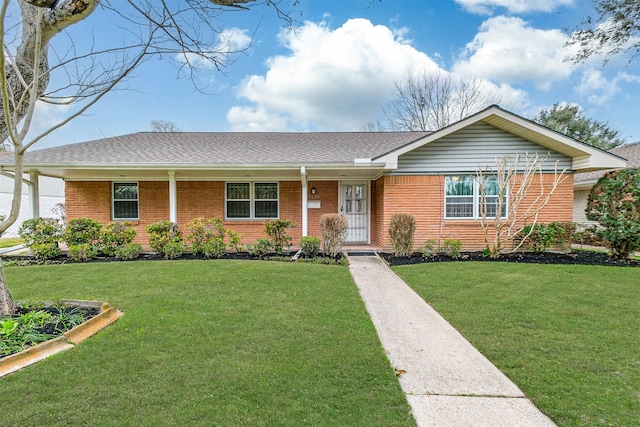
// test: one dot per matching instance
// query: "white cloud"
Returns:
(487, 7)
(598, 90)
(331, 79)
(231, 40)
(509, 50)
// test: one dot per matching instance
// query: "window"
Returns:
(125, 200)
(252, 200)
(463, 197)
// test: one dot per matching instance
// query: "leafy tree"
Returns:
(571, 121)
(615, 203)
(432, 100)
(85, 71)
(615, 29)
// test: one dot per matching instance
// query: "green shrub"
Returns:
(563, 232)
(128, 251)
(428, 249)
(207, 237)
(173, 250)
(44, 251)
(276, 229)
(82, 230)
(260, 248)
(310, 246)
(334, 229)
(234, 240)
(615, 203)
(538, 237)
(163, 233)
(115, 235)
(401, 230)
(83, 252)
(452, 248)
(40, 231)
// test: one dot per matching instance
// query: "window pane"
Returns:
(238, 209)
(459, 185)
(491, 187)
(267, 191)
(125, 209)
(492, 204)
(238, 191)
(459, 207)
(358, 191)
(125, 191)
(266, 209)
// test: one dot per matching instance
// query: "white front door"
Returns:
(354, 204)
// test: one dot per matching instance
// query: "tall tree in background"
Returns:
(164, 126)
(431, 100)
(84, 69)
(571, 121)
(615, 29)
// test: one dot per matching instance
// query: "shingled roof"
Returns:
(224, 148)
(631, 152)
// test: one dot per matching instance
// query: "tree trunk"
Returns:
(7, 306)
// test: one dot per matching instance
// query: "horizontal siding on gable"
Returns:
(478, 145)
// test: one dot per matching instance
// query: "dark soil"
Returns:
(575, 257)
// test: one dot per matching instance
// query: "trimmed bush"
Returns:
(260, 248)
(276, 229)
(165, 238)
(401, 229)
(45, 251)
(452, 248)
(83, 252)
(334, 229)
(207, 237)
(538, 237)
(128, 251)
(234, 240)
(563, 234)
(429, 248)
(310, 246)
(115, 235)
(42, 236)
(82, 231)
(615, 203)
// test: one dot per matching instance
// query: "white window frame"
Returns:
(252, 200)
(114, 200)
(476, 200)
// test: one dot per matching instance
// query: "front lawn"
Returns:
(567, 335)
(209, 343)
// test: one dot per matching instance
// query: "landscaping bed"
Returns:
(574, 257)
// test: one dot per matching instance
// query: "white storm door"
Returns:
(354, 204)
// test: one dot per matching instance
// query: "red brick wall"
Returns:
(423, 197)
(195, 199)
(327, 194)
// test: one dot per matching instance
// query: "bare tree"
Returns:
(512, 195)
(432, 100)
(164, 126)
(86, 70)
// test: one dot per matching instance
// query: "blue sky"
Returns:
(337, 69)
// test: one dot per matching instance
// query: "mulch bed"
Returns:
(575, 257)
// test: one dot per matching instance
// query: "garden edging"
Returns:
(69, 339)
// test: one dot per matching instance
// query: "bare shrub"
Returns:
(401, 230)
(334, 231)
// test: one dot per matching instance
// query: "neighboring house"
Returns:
(50, 192)
(583, 182)
(245, 178)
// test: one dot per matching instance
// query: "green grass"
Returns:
(7, 242)
(566, 335)
(227, 343)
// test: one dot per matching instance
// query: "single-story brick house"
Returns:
(583, 182)
(245, 178)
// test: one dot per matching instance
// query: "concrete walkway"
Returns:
(447, 381)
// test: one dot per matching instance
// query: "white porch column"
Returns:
(305, 209)
(173, 202)
(34, 194)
